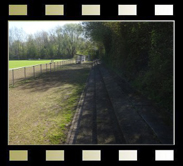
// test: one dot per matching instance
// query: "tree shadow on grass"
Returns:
(71, 74)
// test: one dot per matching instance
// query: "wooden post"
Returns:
(25, 72)
(46, 67)
(54, 66)
(50, 67)
(41, 68)
(13, 77)
(34, 71)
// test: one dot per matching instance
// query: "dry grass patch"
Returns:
(41, 109)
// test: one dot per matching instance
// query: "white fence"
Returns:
(33, 71)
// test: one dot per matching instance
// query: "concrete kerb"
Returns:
(75, 122)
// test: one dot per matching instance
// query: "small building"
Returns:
(80, 58)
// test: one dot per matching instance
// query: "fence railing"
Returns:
(96, 62)
(35, 70)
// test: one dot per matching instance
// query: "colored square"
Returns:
(18, 155)
(127, 9)
(54, 10)
(164, 155)
(90, 10)
(127, 155)
(17, 9)
(163, 10)
(91, 155)
(54, 155)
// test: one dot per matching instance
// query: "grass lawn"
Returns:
(41, 109)
(22, 63)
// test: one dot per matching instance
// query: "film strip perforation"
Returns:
(94, 155)
(91, 10)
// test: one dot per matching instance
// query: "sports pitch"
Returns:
(24, 63)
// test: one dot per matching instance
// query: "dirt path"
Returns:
(112, 113)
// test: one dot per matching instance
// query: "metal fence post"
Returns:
(50, 67)
(54, 66)
(46, 67)
(13, 77)
(25, 72)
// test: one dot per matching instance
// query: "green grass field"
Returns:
(23, 63)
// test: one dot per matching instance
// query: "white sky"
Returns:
(31, 27)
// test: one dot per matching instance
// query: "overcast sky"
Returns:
(34, 26)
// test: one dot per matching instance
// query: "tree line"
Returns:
(60, 42)
(140, 51)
